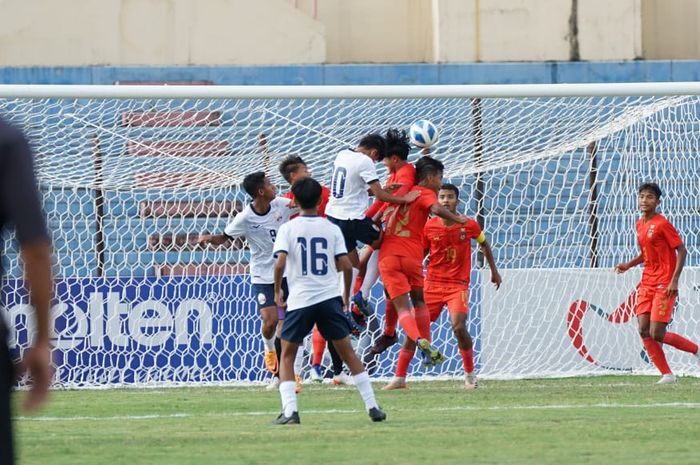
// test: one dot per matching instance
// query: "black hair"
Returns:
(651, 187)
(307, 192)
(426, 166)
(450, 187)
(374, 141)
(397, 143)
(253, 182)
(289, 165)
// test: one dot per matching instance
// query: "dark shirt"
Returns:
(20, 207)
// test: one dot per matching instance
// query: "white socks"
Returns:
(365, 388)
(289, 398)
(269, 343)
(299, 360)
(371, 275)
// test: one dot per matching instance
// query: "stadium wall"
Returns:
(473, 73)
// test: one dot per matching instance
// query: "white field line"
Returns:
(664, 405)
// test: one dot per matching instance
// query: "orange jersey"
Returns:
(325, 195)
(404, 225)
(450, 250)
(406, 177)
(658, 240)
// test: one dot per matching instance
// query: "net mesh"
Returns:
(129, 184)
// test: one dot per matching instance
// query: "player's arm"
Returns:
(485, 248)
(19, 200)
(442, 212)
(681, 253)
(233, 230)
(383, 196)
(280, 264)
(622, 267)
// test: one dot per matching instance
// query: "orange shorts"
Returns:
(653, 299)
(400, 274)
(454, 296)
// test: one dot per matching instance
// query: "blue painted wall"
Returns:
(473, 73)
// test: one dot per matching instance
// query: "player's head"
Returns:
(448, 196)
(307, 192)
(374, 146)
(429, 173)
(257, 185)
(293, 168)
(649, 196)
(397, 148)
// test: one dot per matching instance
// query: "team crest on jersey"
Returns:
(651, 231)
(462, 234)
(262, 300)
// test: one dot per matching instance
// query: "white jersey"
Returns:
(260, 231)
(352, 172)
(312, 244)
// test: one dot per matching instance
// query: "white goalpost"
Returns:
(131, 175)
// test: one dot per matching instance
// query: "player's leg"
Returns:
(318, 344)
(414, 272)
(457, 301)
(339, 376)
(661, 313)
(645, 298)
(269, 334)
(371, 276)
(406, 354)
(389, 336)
(335, 327)
(297, 325)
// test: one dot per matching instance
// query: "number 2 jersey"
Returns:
(260, 230)
(312, 245)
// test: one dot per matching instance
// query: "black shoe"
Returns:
(383, 342)
(377, 414)
(362, 304)
(293, 419)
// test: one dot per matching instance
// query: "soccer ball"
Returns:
(423, 133)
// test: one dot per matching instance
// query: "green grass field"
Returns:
(618, 420)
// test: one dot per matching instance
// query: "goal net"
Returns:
(131, 175)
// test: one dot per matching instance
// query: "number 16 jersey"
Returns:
(312, 245)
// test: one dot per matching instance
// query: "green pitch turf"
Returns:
(604, 420)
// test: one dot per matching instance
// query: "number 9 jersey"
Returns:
(450, 250)
(312, 245)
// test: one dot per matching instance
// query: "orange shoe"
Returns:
(297, 378)
(470, 382)
(271, 361)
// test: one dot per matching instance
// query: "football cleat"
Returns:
(470, 381)
(430, 356)
(293, 419)
(274, 384)
(316, 375)
(668, 379)
(343, 378)
(297, 380)
(396, 383)
(271, 361)
(383, 342)
(362, 304)
(377, 414)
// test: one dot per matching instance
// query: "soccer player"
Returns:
(292, 169)
(259, 222)
(447, 280)
(311, 250)
(20, 207)
(663, 255)
(400, 257)
(402, 177)
(353, 174)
